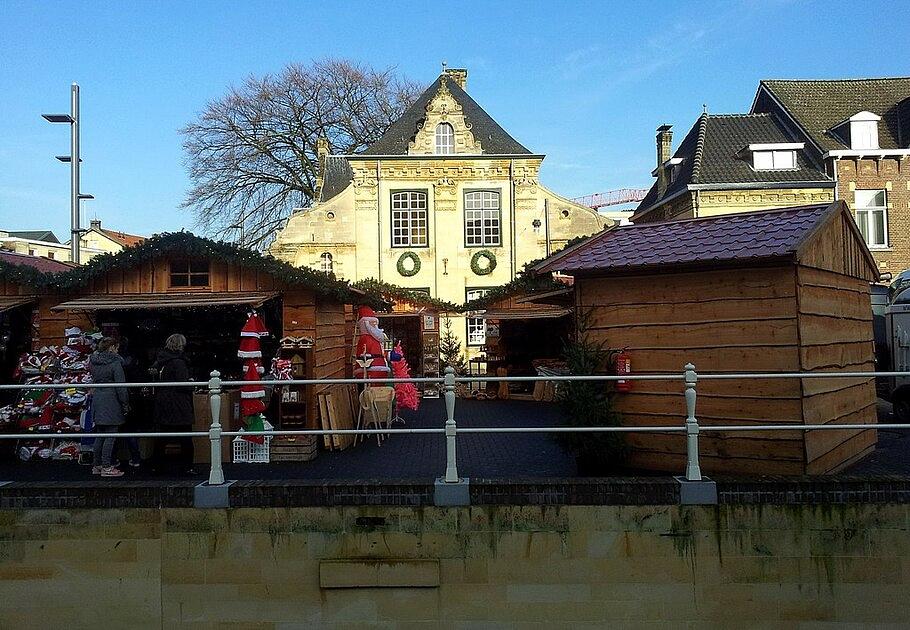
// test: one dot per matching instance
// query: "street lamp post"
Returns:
(73, 158)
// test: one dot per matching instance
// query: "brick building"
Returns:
(732, 163)
(860, 130)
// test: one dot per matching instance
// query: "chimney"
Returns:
(664, 151)
(95, 224)
(459, 76)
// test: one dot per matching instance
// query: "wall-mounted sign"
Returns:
(429, 322)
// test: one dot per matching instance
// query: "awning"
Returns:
(559, 297)
(527, 313)
(138, 301)
(8, 302)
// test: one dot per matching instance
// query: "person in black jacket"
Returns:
(174, 405)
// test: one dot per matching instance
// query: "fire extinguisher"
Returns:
(623, 366)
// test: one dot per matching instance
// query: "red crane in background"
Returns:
(612, 197)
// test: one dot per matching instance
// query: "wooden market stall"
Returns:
(526, 333)
(775, 291)
(203, 289)
(23, 297)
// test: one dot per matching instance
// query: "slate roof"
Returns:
(36, 235)
(45, 265)
(493, 138)
(338, 176)
(712, 153)
(819, 106)
(725, 239)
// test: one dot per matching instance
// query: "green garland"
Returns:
(491, 262)
(188, 245)
(395, 293)
(415, 259)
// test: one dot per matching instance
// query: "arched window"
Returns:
(445, 139)
(326, 262)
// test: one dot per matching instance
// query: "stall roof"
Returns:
(729, 240)
(8, 302)
(531, 313)
(123, 302)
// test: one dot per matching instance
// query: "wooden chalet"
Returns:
(775, 291)
(181, 283)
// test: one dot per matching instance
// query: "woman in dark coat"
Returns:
(109, 405)
(174, 405)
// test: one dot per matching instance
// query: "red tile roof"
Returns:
(127, 240)
(725, 239)
(38, 262)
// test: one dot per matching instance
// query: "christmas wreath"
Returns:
(490, 266)
(415, 264)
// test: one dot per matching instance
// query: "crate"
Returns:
(294, 448)
(246, 452)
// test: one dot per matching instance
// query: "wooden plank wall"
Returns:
(154, 277)
(331, 350)
(837, 248)
(722, 321)
(835, 327)
(299, 320)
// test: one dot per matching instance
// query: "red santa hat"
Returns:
(251, 406)
(249, 348)
(254, 326)
(251, 391)
(365, 311)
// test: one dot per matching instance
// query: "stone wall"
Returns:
(535, 566)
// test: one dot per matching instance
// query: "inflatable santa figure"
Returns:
(371, 360)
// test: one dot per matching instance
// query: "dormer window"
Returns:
(445, 139)
(777, 156)
(864, 130)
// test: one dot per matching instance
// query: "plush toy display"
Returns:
(368, 352)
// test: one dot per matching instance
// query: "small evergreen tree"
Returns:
(450, 348)
(589, 404)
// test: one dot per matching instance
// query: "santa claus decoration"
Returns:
(252, 404)
(370, 360)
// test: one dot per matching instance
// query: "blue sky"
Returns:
(586, 83)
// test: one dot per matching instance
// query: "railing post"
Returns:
(693, 470)
(451, 465)
(216, 474)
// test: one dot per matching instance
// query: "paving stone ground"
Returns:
(422, 456)
(414, 456)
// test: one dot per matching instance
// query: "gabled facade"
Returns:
(732, 163)
(446, 202)
(860, 131)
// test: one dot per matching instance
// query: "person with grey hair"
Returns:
(109, 404)
(174, 405)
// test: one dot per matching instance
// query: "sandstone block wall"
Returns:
(573, 566)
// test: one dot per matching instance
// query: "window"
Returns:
(872, 216)
(325, 262)
(50, 255)
(31, 252)
(773, 160)
(476, 327)
(189, 273)
(481, 219)
(864, 130)
(409, 219)
(445, 139)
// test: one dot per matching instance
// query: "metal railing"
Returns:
(450, 430)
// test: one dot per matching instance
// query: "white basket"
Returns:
(246, 452)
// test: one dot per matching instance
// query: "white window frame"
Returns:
(475, 327)
(482, 218)
(326, 264)
(410, 221)
(865, 216)
(781, 160)
(445, 139)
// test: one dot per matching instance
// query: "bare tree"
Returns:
(251, 154)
